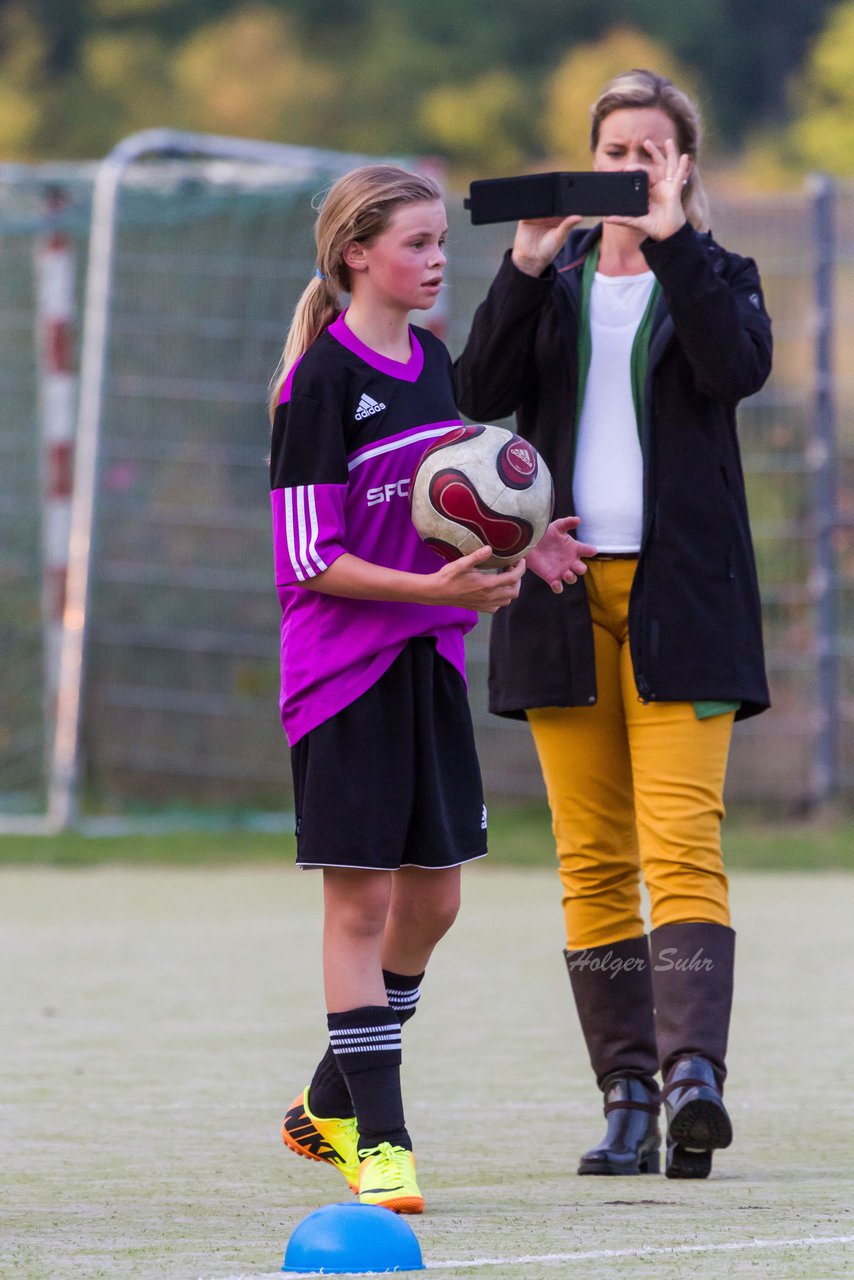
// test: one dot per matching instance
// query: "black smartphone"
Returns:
(555, 195)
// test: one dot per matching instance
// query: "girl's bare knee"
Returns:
(428, 922)
(357, 907)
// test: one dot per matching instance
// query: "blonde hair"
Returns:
(358, 207)
(639, 88)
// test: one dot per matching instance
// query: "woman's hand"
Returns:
(538, 242)
(557, 557)
(462, 583)
(668, 175)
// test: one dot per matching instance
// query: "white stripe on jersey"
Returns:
(315, 529)
(301, 549)
(301, 530)
(389, 446)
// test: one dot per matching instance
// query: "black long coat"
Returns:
(695, 630)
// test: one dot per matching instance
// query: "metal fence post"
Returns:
(823, 456)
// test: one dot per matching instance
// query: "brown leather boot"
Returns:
(613, 995)
(692, 977)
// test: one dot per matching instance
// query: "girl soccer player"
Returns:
(387, 787)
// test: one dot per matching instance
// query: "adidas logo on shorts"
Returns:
(367, 407)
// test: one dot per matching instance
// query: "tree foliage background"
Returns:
(491, 84)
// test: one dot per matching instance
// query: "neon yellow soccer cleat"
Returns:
(387, 1178)
(331, 1141)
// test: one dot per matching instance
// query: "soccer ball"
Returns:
(481, 486)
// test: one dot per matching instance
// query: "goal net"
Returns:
(151, 682)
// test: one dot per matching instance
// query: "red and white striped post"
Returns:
(54, 293)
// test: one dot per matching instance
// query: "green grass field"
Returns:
(156, 1021)
(519, 835)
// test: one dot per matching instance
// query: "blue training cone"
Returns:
(349, 1238)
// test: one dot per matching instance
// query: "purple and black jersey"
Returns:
(349, 430)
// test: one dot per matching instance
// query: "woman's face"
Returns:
(622, 137)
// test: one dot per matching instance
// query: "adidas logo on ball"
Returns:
(367, 407)
(523, 458)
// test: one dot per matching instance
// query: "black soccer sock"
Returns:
(366, 1044)
(403, 991)
(328, 1094)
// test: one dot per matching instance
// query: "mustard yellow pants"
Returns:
(635, 789)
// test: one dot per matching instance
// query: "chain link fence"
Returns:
(181, 681)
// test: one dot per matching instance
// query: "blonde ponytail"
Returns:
(316, 308)
(357, 208)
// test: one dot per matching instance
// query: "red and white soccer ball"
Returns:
(481, 486)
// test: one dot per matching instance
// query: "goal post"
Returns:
(44, 217)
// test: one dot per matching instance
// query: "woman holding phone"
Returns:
(624, 351)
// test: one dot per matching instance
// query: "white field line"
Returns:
(592, 1255)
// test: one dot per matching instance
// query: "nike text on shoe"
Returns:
(333, 1141)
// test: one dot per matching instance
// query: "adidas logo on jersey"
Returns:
(367, 407)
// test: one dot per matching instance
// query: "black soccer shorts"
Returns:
(393, 780)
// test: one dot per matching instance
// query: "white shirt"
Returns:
(608, 478)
